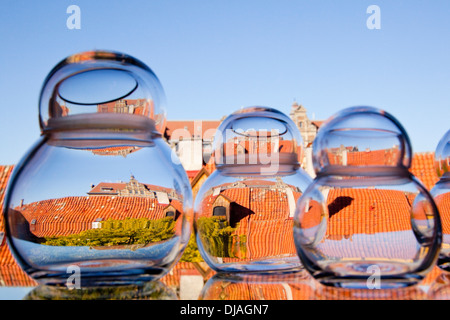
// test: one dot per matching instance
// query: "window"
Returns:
(219, 211)
(170, 214)
(97, 224)
(33, 225)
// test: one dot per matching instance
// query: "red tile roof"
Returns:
(269, 227)
(140, 106)
(317, 123)
(333, 293)
(107, 188)
(204, 129)
(11, 275)
(112, 188)
(366, 223)
(192, 174)
(276, 224)
(364, 158)
(72, 215)
(443, 204)
(5, 172)
(261, 287)
(172, 279)
(122, 151)
(423, 168)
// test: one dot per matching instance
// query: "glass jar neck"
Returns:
(100, 121)
(364, 171)
(365, 179)
(98, 139)
(92, 130)
(267, 170)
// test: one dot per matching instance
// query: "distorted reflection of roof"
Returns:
(90, 208)
(71, 215)
(204, 129)
(423, 168)
(264, 215)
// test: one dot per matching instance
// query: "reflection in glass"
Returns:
(153, 290)
(441, 195)
(334, 293)
(239, 286)
(365, 221)
(244, 210)
(99, 190)
(440, 288)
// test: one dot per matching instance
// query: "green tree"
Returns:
(119, 232)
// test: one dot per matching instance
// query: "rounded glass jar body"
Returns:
(366, 221)
(98, 200)
(441, 195)
(367, 232)
(244, 210)
(245, 223)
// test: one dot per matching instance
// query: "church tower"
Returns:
(307, 128)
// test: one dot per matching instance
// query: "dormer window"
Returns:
(170, 214)
(33, 225)
(97, 224)
(220, 211)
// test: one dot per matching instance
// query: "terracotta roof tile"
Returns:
(268, 228)
(423, 168)
(204, 129)
(443, 204)
(71, 215)
(259, 288)
(365, 223)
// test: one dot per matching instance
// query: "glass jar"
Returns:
(97, 200)
(244, 210)
(441, 195)
(365, 221)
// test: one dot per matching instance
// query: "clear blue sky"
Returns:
(212, 57)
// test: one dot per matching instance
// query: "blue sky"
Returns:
(213, 57)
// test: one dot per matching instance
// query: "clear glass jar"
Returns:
(244, 210)
(98, 198)
(365, 221)
(441, 195)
